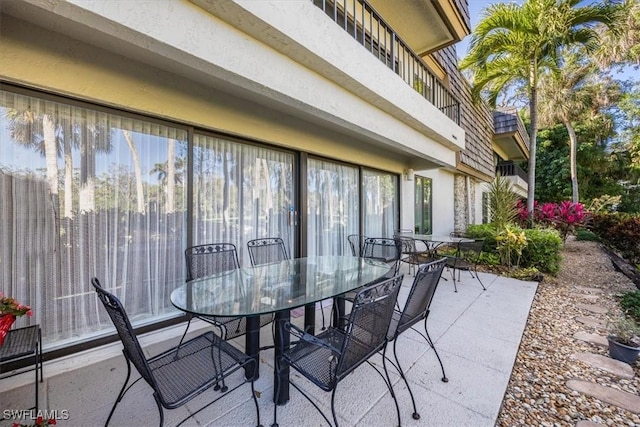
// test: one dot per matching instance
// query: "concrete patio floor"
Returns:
(477, 334)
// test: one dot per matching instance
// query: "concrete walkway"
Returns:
(477, 334)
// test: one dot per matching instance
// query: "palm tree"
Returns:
(565, 97)
(575, 91)
(137, 171)
(622, 44)
(169, 174)
(513, 43)
(38, 131)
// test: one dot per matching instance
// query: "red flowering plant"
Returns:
(9, 310)
(564, 217)
(40, 421)
(569, 216)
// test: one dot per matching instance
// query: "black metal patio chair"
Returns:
(356, 243)
(207, 260)
(266, 250)
(466, 258)
(384, 249)
(410, 254)
(327, 358)
(415, 310)
(179, 374)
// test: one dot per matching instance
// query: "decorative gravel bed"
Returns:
(537, 394)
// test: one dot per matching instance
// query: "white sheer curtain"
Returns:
(241, 192)
(380, 203)
(85, 193)
(333, 207)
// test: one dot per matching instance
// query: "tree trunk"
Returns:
(68, 176)
(573, 143)
(136, 170)
(533, 104)
(226, 184)
(51, 152)
(86, 195)
(171, 175)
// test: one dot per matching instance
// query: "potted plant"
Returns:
(9, 310)
(624, 340)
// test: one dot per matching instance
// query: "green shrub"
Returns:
(620, 232)
(630, 303)
(543, 250)
(489, 258)
(586, 235)
(486, 232)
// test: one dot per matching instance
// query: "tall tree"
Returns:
(136, 170)
(513, 43)
(38, 131)
(620, 46)
(572, 91)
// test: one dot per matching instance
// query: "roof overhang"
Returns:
(425, 25)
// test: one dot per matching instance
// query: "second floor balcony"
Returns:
(367, 27)
(510, 139)
(514, 173)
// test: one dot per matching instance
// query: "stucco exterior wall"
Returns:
(281, 61)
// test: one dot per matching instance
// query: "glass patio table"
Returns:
(434, 241)
(275, 288)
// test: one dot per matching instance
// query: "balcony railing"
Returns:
(511, 169)
(364, 24)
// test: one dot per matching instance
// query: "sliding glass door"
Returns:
(332, 206)
(380, 195)
(242, 192)
(86, 193)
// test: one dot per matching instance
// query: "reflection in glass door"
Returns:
(423, 205)
(380, 195)
(332, 207)
(242, 192)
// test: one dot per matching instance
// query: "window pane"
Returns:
(241, 192)
(380, 203)
(86, 193)
(423, 205)
(333, 207)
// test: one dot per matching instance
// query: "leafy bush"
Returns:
(586, 235)
(486, 232)
(621, 232)
(543, 250)
(489, 258)
(630, 303)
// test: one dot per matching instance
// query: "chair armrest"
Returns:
(308, 338)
